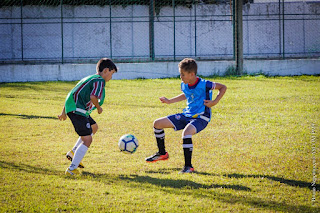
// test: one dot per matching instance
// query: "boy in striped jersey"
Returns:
(86, 96)
(195, 117)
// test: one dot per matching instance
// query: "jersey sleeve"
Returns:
(210, 85)
(97, 89)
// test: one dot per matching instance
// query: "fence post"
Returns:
(280, 30)
(195, 28)
(110, 28)
(61, 9)
(238, 36)
(283, 38)
(151, 29)
(174, 30)
(21, 29)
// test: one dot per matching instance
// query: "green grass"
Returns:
(256, 154)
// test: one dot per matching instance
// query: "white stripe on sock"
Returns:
(187, 136)
(159, 135)
(157, 130)
(187, 145)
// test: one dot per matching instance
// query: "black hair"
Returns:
(106, 63)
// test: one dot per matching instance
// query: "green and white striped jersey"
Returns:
(78, 99)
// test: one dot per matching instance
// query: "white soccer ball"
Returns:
(128, 144)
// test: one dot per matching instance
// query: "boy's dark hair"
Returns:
(106, 63)
(189, 65)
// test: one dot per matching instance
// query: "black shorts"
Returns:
(82, 124)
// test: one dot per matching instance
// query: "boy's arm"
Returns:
(63, 115)
(178, 98)
(222, 89)
(95, 102)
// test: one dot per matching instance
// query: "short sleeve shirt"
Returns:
(78, 99)
(196, 94)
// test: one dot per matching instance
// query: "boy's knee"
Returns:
(190, 130)
(94, 128)
(156, 124)
(162, 123)
(184, 133)
(87, 140)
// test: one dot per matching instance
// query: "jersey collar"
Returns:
(191, 86)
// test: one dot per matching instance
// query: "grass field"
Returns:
(260, 152)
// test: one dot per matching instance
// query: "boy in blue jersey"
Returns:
(195, 117)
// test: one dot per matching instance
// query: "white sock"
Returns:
(78, 156)
(79, 141)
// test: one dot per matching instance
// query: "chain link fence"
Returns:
(281, 29)
(82, 31)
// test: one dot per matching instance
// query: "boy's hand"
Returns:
(62, 117)
(164, 100)
(222, 89)
(99, 110)
(209, 103)
(95, 101)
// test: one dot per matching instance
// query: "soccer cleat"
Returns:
(70, 155)
(72, 172)
(187, 169)
(157, 157)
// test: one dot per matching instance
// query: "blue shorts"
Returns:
(180, 122)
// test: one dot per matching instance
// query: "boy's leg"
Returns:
(160, 136)
(158, 128)
(71, 153)
(194, 127)
(94, 128)
(80, 141)
(188, 146)
(84, 127)
(75, 147)
(80, 152)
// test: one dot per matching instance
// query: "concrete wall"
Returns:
(72, 72)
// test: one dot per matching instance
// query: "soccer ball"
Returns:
(128, 144)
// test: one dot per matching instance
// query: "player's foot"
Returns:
(157, 157)
(70, 155)
(71, 172)
(187, 169)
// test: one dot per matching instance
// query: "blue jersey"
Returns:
(196, 94)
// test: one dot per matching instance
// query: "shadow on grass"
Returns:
(190, 188)
(164, 171)
(29, 116)
(163, 182)
(182, 187)
(28, 168)
(179, 184)
(296, 183)
(168, 183)
(40, 86)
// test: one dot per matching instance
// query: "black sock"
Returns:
(159, 133)
(187, 150)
